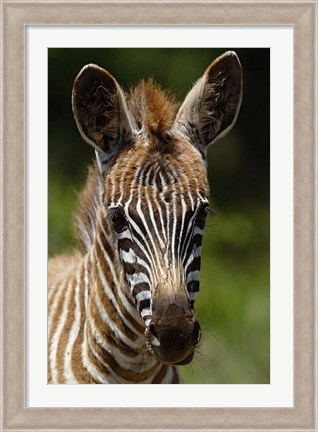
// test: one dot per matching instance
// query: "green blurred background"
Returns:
(234, 301)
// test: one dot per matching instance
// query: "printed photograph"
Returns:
(159, 215)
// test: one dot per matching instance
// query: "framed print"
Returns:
(42, 39)
(226, 327)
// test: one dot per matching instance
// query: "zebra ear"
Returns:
(211, 108)
(100, 111)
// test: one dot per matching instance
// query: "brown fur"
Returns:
(151, 107)
(181, 155)
(78, 368)
(59, 267)
(63, 341)
(86, 213)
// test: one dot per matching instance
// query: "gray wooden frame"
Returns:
(15, 16)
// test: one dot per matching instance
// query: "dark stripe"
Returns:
(144, 304)
(126, 244)
(107, 334)
(91, 357)
(142, 286)
(193, 286)
(197, 239)
(177, 237)
(109, 306)
(195, 264)
(131, 269)
(128, 375)
(185, 237)
(160, 375)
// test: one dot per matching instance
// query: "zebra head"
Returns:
(153, 162)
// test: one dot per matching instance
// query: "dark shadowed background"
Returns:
(234, 300)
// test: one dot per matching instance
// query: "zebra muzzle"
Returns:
(173, 335)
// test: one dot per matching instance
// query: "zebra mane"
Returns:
(89, 200)
(151, 107)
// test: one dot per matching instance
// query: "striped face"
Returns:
(158, 209)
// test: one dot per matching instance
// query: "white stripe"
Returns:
(124, 235)
(108, 321)
(91, 369)
(138, 362)
(56, 336)
(155, 200)
(141, 246)
(166, 205)
(146, 312)
(166, 255)
(130, 257)
(84, 234)
(86, 282)
(196, 252)
(137, 278)
(195, 230)
(188, 237)
(184, 212)
(110, 264)
(132, 189)
(68, 373)
(57, 296)
(193, 295)
(155, 250)
(161, 220)
(163, 183)
(189, 193)
(110, 295)
(193, 276)
(198, 230)
(151, 211)
(174, 224)
(143, 295)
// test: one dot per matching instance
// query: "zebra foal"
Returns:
(123, 310)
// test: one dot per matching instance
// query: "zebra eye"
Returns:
(118, 220)
(202, 214)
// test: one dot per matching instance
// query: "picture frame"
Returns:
(16, 16)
